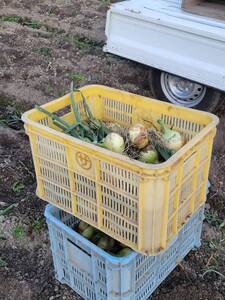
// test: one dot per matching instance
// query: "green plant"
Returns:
(23, 21)
(43, 51)
(18, 231)
(50, 88)
(17, 187)
(83, 44)
(214, 220)
(51, 11)
(60, 94)
(77, 77)
(7, 210)
(15, 19)
(31, 23)
(54, 31)
(212, 245)
(213, 271)
(37, 225)
(3, 263)
(10, 113)
(11, 121)
(106, 2)
(216, 247)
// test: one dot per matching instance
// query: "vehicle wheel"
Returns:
(181, 91)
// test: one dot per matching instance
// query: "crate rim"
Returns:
(127, 162)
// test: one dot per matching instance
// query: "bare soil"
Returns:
(44, 45)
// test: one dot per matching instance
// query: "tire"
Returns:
(210, 100)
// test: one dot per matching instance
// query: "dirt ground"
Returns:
(43, 46)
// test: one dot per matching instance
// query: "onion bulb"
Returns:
(172, 139)
(138, 136)
(124, 252)
(82, 226)
(149, 156)
(114, 142)
(89, 232)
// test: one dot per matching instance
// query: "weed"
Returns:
(222, 224)
(51, 11)
(10, 113)
(15, 19)
(50, 88)
(53, 30)
(214, 220)
(212, 245)
(12, 121)
(43, 51)
(34, 24)
(18, 231)
(213, 271)
(7, 210)
(3, 263)
(216, 246)
(83, 44)
(77, 77)
(37, 225)
(22, 21)
(17, 187)
(31, 23)
(106, 2)
(60, 94)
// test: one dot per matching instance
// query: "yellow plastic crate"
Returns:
(141, 205)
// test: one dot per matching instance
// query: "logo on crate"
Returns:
(83, 161)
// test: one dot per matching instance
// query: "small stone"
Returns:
(207, 206)
(42, 262)
(56, 289)
(51, 298)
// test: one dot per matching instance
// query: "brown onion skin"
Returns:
(138, 136)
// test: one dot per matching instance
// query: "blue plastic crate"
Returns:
(96, 275)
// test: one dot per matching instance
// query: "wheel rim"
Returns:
(181, 91)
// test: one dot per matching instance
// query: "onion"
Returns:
(114, 142)
(138, 136)
(106, 243)
(149, 156)
(82, 226)
(124, 252)
(89, 232)
(172, 139)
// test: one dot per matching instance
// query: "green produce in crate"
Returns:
(172, 139)
(112, 243)
(89, 130)
(96, 238)
(106, 243)
(124, 252)
(138, 136)
(89, 232)
(82, 226)
(114, 142)
(149, 155)
(150, 145)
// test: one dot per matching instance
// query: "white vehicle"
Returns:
(186, 51)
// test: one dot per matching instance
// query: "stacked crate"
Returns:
(156, 210)
(97, 275)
